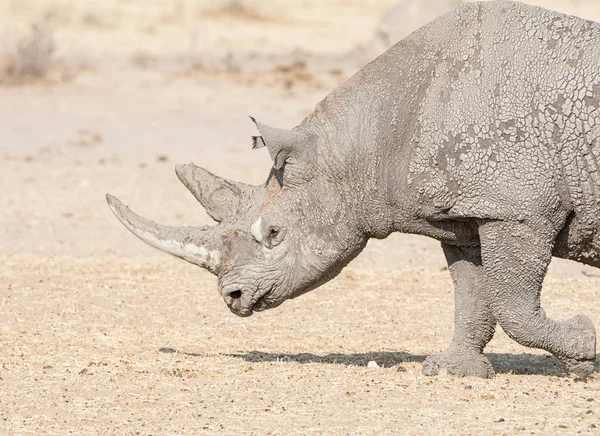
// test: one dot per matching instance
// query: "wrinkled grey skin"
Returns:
(482, 130)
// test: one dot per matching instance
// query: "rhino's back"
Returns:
(509, 125)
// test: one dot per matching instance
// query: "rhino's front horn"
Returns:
(198, 245)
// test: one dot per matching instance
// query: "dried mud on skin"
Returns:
(100, 334)
(123, 345)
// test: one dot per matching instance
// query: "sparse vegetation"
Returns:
(30, 57)
(143, 59)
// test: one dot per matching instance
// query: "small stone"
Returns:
(500, 420)
(372, 364)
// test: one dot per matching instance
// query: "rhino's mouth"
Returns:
(261, 304)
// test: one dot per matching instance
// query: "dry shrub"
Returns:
(30, 58)
(236, 9)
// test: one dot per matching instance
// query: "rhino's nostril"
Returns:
(236, 294)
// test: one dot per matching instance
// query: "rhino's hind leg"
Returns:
(474, 321)
(515, 261)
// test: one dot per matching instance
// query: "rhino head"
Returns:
(271, 242)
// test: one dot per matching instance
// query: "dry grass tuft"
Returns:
(30, 58)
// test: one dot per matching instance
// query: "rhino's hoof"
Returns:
(458, 365)
(581, 349)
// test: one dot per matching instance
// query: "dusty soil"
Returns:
(100, 334)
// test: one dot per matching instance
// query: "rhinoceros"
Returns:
(481, 130)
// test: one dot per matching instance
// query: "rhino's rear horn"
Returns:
(220, 197)
(201, 246)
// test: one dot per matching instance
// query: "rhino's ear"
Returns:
(220, 197)
(281, 143)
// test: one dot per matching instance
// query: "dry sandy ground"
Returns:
(99, 334)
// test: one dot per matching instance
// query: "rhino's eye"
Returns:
(274, 236)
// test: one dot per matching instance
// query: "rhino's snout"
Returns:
(238, 301)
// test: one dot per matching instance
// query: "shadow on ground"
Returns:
(383, 358)
(531, 364)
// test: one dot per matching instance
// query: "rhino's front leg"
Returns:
(515, 261)
(474, 320)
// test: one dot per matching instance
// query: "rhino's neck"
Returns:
(367, 126)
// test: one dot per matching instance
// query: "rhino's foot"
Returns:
(580, 353)
(456, 363)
